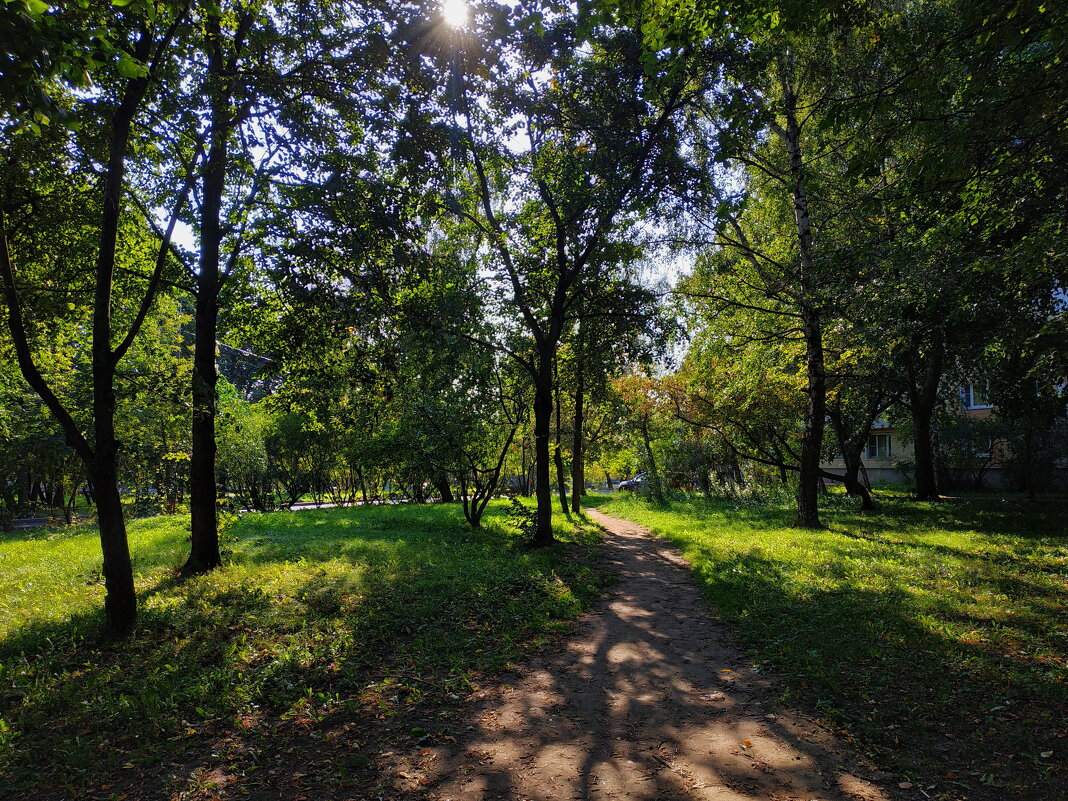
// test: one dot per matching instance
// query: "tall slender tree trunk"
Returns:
(558, 454)
(922, 401)
(654, 471)
(578, 444)
(809, 478)
(808, 484)
(203, 495)
(543, 412)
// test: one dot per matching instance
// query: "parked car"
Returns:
(633, 484)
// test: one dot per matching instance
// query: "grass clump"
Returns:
(936, 635)
(317, 612)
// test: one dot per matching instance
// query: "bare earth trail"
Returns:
(647, 699)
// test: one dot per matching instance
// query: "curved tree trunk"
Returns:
(853, 485)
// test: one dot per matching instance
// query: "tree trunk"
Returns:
(922, 401)
(203, 496)
(204, 530)
(561, 483)
(120, 600)
(654, 472)
(543, 412)
(852, 449)
(853, 485)
(809, 479)
(926, 477)
(441, 484)
(558, 454)
(578, 445)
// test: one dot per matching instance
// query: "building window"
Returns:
(974, 396)
(879, 446)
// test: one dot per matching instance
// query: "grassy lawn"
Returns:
(317, 612)
(934, 635)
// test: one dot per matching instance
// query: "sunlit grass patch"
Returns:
(936, 634)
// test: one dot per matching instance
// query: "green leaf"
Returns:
(130, 67)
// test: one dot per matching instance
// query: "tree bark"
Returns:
(654, 472)
(578, 444)
(853, 485)
(543, 411)
(441, 484)
(809, 479)
(558, 455)
(852, 449)
(120, 601)
(203, 495)
(922, 401)
(808, 482)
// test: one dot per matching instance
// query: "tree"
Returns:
(143, 39)
(562, 138)
(270, 80)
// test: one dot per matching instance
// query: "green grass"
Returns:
(316, 612)
(935, 635)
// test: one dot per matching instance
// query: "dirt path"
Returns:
(646, 700)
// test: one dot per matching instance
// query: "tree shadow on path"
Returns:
(647, 700)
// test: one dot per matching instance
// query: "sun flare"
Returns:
(455, 13)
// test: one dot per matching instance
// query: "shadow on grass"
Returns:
(946, 661)
(317, 604)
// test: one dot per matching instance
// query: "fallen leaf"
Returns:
(747, 744)
(905, 785)
(1046, 754)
